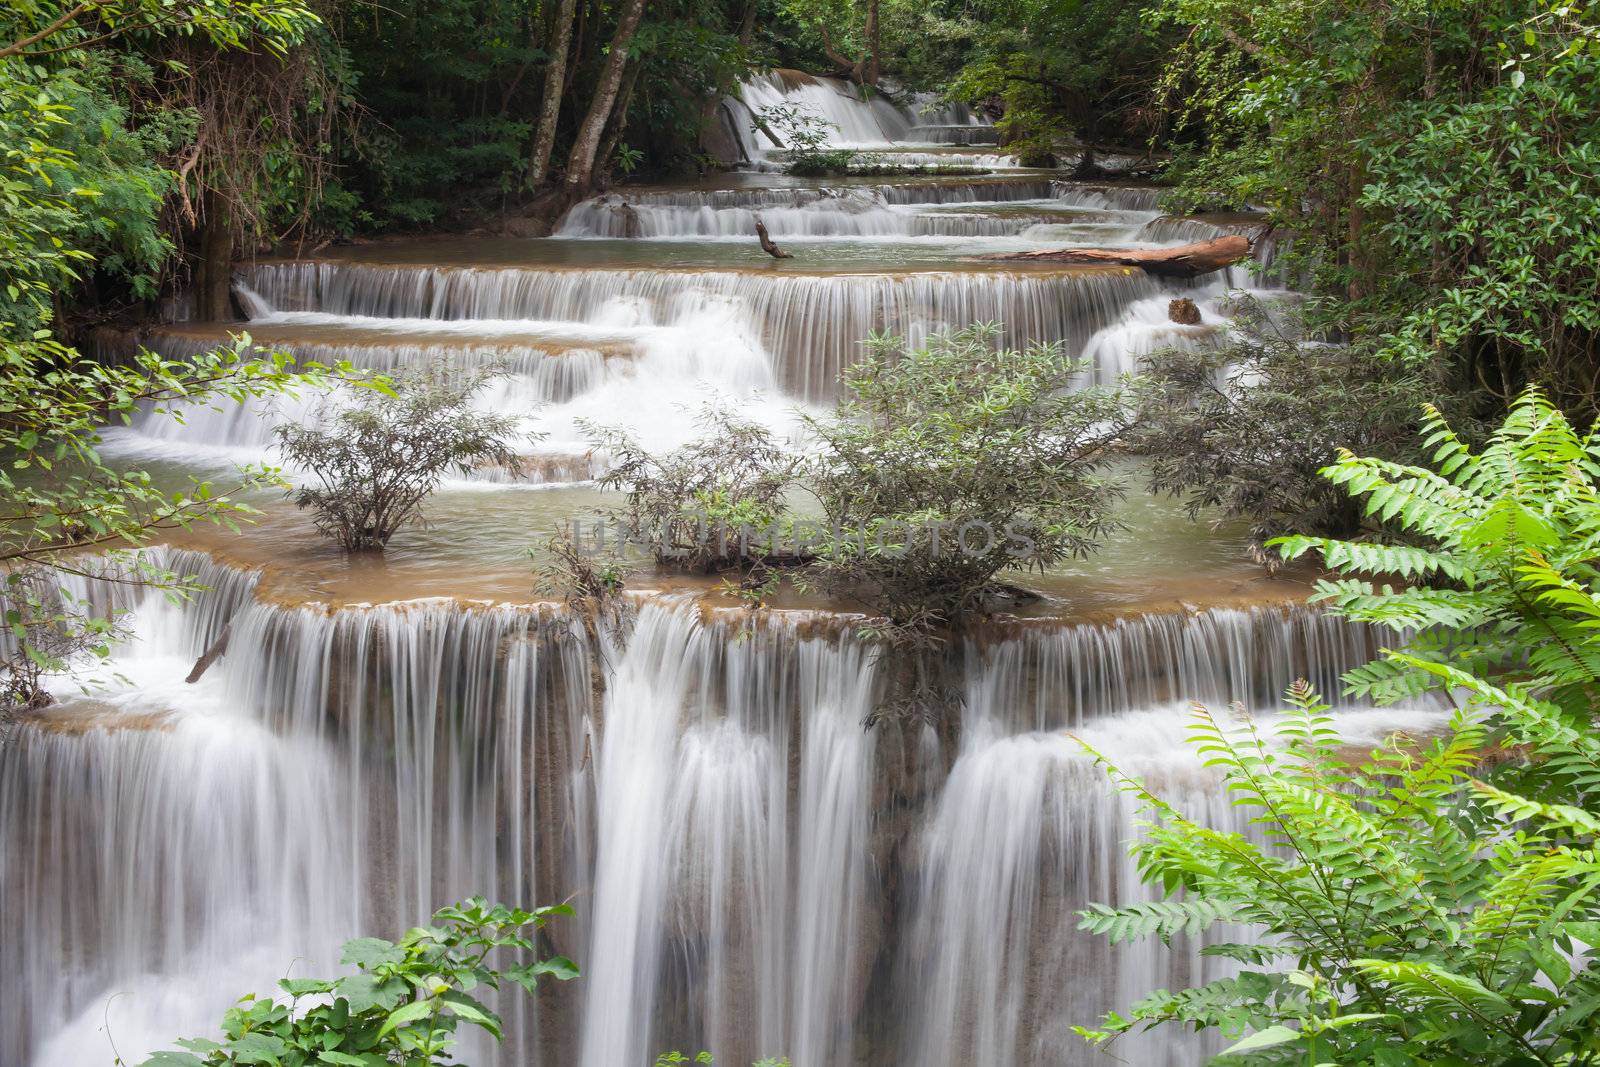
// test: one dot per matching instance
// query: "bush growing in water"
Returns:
(378, 457)
(952, 461)
(712, 504)
(804, 134)
(403, 1004)
(1246, 426)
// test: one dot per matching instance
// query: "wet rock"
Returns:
(526, 226)
(1184, 312)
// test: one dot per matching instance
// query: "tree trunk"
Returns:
(555, 76)
(747, 24)
(619, 118)
(869, 75)
(214, 278)
(580, 162)
(579, 47)
(1181, 261)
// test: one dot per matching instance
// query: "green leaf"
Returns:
(371, 953)
(408, 1013)
(465, 1007)
(173, 1059)
(1272, 1035)
(257, 1048)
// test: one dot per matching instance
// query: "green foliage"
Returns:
(451, 90)
(1436, 165)
(686, 50)
(712, 504)
(62, 497)
(1500, 566)
(1246, 425)
(805, 136)
(1406, 910)
(41, 28)
(1063, 71)
(1492, 217)
(953, 461)
(379, 455)
(1434, 904)
(80, 185)
(403, 1005)
(437, 142)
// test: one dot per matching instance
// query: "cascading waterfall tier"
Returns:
(528, 374)
(902, 209)
(858, 118)
(755, 872)
(812, 324)
(581, 346)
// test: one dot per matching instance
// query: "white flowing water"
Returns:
(808, 327)
(859, 118)
(755, 872)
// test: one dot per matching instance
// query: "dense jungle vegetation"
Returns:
(1433, 170)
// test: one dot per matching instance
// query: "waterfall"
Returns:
(736, 913)
(962, 135)
(859, 120)
(174, 846)
(812, 324)
(1024, 835)
(754, 871)
(902, 211)
(529, 377)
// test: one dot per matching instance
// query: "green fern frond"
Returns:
(1152, 918)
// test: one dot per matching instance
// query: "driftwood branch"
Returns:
(766, 242)
(212, 654)
(1181, 261)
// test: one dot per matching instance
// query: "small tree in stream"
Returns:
(709, 505)
(805, 134)
(951, 462)
(1246, 426)
(377, 457)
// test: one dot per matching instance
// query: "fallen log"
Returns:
(1180, 261)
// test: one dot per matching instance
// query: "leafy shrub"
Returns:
(709, 505)
(575, 576)
(1439, 174)
(805, 135)
(1491, 205)
(950, 462)
(1499, 577)
(1246, 426)
(404, 1004)
(379, 456)
(1435, 904)
(1402, 911)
